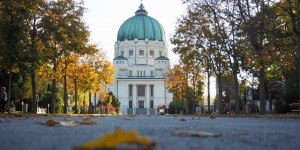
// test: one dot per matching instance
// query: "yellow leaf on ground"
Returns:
(118, 138)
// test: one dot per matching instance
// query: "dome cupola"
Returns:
(141, 27)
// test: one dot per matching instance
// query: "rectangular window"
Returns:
(152, 73)
(130, 53)
(152, 53)
(141, 90)
(138, 73)
(151, 90)
(130, 73)
(141, 53)
(122, 53)
(141, 104)
(130, 104)
(160, 53)
(144, 73)
(130, 90)
(151, 104)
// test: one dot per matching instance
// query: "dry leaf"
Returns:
(68, 123)
(119, 138)
(195, 134)
(50, 123)
(182, 119)
(212, 117)
(89, 121)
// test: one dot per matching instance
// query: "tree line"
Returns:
(46, 56)
(229, 38)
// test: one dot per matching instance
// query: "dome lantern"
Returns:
(141, 10)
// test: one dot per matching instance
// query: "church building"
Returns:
(141, 62)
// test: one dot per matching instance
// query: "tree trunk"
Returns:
(53, 90)
(219, 103)
(33, 67)
(182, 99)
(33, 86)
(84, 103)
(298, 44)
(95, 103)
(65, 90)
(194, 95)
(262, 96)
(90, 103)
(76, 94)
(9, 88)
(187, 100)
(236, 93)
(208, 91)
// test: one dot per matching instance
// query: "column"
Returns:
(147, 100)
(134, 97)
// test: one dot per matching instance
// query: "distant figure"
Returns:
(3, 100)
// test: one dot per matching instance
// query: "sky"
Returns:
(104, 18)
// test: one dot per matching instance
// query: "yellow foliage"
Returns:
(117, 138)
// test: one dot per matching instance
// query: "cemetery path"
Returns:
(233, 133)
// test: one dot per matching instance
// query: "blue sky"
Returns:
(104, 18)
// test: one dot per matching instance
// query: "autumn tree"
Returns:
(199, 31)
(115, 102)
(288, 12)
(177, 83)
(100, 73)
(63, 30)
(33, 43)
(259, 25)
(12, 34)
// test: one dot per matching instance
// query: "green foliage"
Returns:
(281, 106)
(177, 106)
(115, 102)
(45, 99)
(59, 103)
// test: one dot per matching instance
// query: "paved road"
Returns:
(238, 133)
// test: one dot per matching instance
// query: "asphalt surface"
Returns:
(237, 133)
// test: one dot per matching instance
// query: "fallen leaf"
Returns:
(68, 123)
(195, 134)
(119, 138)
(182, 119)
(50, 123)
(212, 117)
(89, 121)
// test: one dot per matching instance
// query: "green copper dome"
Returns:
(141, 27)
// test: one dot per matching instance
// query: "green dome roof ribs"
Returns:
(141, 27)
(120, 58)
(162, 58)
